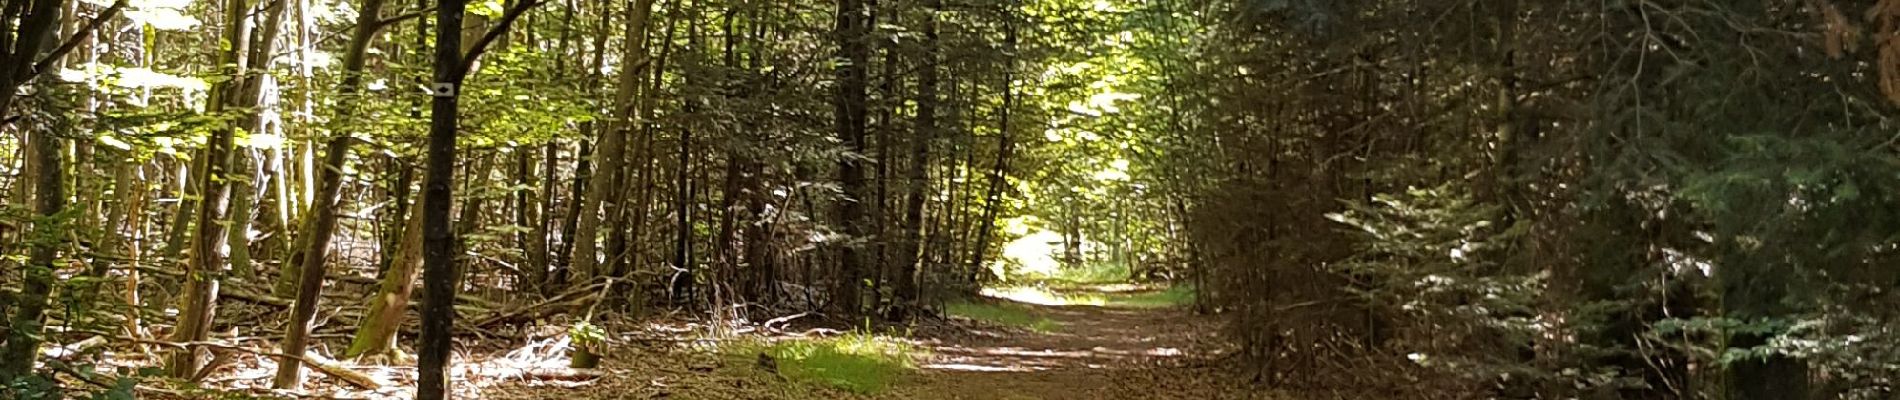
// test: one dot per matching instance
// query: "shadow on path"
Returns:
(1099, 352)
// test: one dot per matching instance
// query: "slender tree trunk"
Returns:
(179, 235)
(583, 173)
(321, 219)
(612, 143)
(126, 192)
(850, 120)
(919, 182)
(244, 161)
(23, 332)
(438, 240)
(725, 244)
(649, 105)
(683, 283)
(886, 133)
(375, 338)
(244, 168)
(993, 198)
(206, 267)
(540, 236)
(395, 238)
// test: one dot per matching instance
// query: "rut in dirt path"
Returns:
(1095, 353)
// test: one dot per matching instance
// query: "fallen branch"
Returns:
(547, 374)
(784, 320)
(555, 305)
(332, 368)
(319, 363)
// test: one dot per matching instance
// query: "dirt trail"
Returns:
(1092, 353)
(1096, 353)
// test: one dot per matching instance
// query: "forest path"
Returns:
(1093, 352)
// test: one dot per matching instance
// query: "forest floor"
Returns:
(1048, 351)
(1032, 342)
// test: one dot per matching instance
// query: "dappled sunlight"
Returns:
(858, 362)
(1034, 253)
(1119, 295)
(1093, 334)
(974, 368)
(1043, 296)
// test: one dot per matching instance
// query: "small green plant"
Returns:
(1003, 314)
(588, 340)
(859, 362)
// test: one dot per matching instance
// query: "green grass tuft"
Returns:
(1003, 314)
(857, 362)
(1174, 296)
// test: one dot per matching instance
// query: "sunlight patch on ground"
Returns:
(857, 362)
(1012, 315)
(1043, 296)
(1112, 295)
(975, 368)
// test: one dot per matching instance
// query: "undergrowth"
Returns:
(1096, 272)
(1173, 296)
(859, 362)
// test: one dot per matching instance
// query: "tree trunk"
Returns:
(22, 335)
(612, 150)
(993, 198)
(850, 120)
(919, 182)
(321, 219)
(438, 240)
(206, 266)
(376, 336)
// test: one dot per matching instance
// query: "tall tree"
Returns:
(610, 158)
(439, 275)
(852, 37)
(320, 219)
(999, 171)
(910, 251)
(32, 26)
(206, 267)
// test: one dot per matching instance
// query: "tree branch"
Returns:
(73, 42)
(481, 46)
(386, 22)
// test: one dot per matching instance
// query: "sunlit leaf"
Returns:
(114, 142)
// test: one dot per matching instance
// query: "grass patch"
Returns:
(1002, 314)
(1124, 296)
(858, 362)
(1174, 296)
(1096, 272)
(1088, 273)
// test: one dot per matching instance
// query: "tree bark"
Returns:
(850, 124)
(993, 198)
(438, 240)
(611, 155)
(376, 336)
(22, 335)
(206, 267)
(918, 179)
(321, 219)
